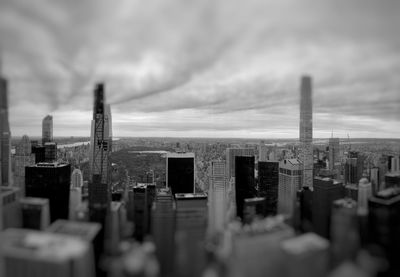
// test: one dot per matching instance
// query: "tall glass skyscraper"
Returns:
(306, 131)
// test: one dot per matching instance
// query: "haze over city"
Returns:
(203, 68)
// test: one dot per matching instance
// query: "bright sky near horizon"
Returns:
(208, 68)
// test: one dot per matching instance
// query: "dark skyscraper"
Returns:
(244, 182)
(326, 190)
(100, 148)
(384, 225)
(268, 177)
(353, 170)
(180, 172)
(5, 135)
(47, 129)
(306, 131)
(51, 181)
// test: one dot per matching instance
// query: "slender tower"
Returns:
(306, 131)
(99, 186)
(5, 135)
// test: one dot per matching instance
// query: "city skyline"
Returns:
(194, 72)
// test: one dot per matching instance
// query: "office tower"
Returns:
(257, 249)
(191, 225)
(163, 230)
(364, 193)
(384, 226)
(140, 213)
(217, 197)
(231, 153)
(100, 149)
(326, 190)
(393, 163)
(40, 153)
(305, 198)
(354, 167)
(392, 179)
(23, 157)
(180, 172)
(268, 183)
(290, 171)
(334, 156)
(113, 228)
(244, 182)
(5, 136)
(50, 152)
(262, 152)
(47, 129)
(51, 181)
(75, 194)
(31, 253)
(344, 231)
(374, 177)
(253, 208)
(306, 255)
(306, 132)
(35, 213)
(10, 208)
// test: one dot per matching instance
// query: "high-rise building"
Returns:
(384, 226)
(306, 255)
(51, 181)
(23, 157)
(163, 230)
(50, 152)
(5, 136)
(180, 172)
(268, 183)
(374, 178)
(32, 253)
(100, 149)
(334, 154)
(305, 197)
(326, 190)
(47, 129)
(40, 153)
(191, 225)
(262, 152)
(75, 194)
(306, 131)
(35, 213)
(11, 215)
(231, 153)
(364, 193)
(253, 208)
(290, 171)
(354, 167)
(244, 181)
(217, 197)
(394, 163)
(344, 231)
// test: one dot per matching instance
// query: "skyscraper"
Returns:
(180, 172)
(244, 182)
(289, 183)
(35, 213)
(334, 150)
(268, 183)
(262, 152)
(23, 157)
(364, 193)
(51, 181)
(10, 209)
(326, 190)
(354, 167)
(216, 196)
(100, 148)
(75, 194)
(47, 129)
(5, 135)
(384, 225)
(306, 132)
(231, 153)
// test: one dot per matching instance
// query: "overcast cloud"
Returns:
(223, 68)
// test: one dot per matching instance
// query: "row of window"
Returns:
(289, 172)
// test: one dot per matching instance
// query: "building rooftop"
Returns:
(188, 196)
(52, 164)
(304, 243)
(34, 201)
(84, 230)
(180, 155)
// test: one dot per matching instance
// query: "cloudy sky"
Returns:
(210, 68)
